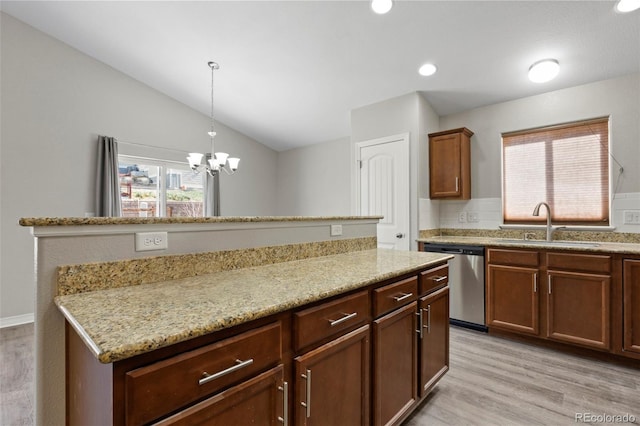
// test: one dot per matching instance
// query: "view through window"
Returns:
(156, 188)
(565, 165)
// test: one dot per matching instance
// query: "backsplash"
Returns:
(486, 214)
(103, 275)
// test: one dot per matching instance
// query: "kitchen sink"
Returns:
(553, 243)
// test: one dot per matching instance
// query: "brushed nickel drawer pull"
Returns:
(429, 319)
(209, 377)
(439, 279)
(307, 404)
(346, 317)
(285, 405)
(457, 184)
(420, 327)
(535, 282)
(403, 297)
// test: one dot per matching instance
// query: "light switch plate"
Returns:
(147, 241)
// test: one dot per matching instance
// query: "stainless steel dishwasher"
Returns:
(466, 284)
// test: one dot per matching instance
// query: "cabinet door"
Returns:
(631, 291)
(332, 382)
(512, 298)
(434, 338)
(395, 364)
(258, 401)
(445, 166)
(578, 308)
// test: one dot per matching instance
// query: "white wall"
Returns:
(55, 101)
(411, 114)
(618, 98)
(315, 180)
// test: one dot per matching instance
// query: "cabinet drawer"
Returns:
(513, 257)
(315, 324)
(394, 295)
(167, 385)
(434, 279)
(579, 262)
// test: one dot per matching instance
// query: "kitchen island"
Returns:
(76, 257)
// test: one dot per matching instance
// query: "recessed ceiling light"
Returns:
(627, 5)
(544, 70)
(427, 70)
(381, 6)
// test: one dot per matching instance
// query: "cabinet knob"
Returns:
(399, 235)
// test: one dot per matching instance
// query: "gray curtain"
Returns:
(107, 183)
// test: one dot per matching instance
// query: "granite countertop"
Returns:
(120, 323)
(69, 221)
(593, 246)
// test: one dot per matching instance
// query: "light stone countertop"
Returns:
(120, 323)
(70, 221)
(587, 246)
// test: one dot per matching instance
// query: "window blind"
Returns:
(566, 165)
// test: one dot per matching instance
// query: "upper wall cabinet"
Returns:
(450, 164)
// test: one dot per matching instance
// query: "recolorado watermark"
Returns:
(604, 418)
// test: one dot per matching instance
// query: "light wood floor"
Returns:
(16, 375)
(492, 381)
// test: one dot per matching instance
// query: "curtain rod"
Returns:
(150, 146)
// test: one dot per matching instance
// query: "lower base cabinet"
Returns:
(395, 364)
(258, 401)
(332, 382)
(631, 306)
(434, 341)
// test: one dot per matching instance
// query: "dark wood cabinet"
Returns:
(395, 361)
(631, 305)
(332, 382)
(434, 338)
(258, 401)
(450, 164)
(512, 298)
(578, 308)
(565, 297)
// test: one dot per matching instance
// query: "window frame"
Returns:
(596, 225)
(163, 166)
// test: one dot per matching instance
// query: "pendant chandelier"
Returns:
(216, 160)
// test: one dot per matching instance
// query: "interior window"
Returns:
(156, 188)
(565, 165)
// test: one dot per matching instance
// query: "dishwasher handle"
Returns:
(452, 250)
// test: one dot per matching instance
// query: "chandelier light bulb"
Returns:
(381, 6)
(544, 70)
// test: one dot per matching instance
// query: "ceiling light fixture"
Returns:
(427, 70)
(624, 6)
(216, 160)
(544, 70)
(381, 6)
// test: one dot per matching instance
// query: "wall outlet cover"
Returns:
(336, 230)
(462, 217)
(147, 241)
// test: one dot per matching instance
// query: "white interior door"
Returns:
(383, 187)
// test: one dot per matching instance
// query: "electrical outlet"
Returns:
(462, 217)
(336, 230)
(472, 217)
(146, 241)
(632, 217)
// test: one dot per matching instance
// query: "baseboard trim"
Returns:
(16, 320)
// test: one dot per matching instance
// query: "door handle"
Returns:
(399, 235)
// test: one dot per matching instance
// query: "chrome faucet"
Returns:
(550, 229)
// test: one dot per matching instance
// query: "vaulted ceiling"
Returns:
(291, 71)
